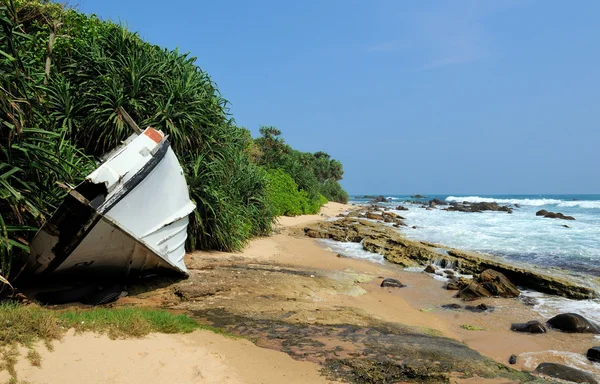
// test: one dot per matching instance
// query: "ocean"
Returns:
(520, 237)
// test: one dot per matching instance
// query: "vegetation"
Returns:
(64, 77)
(26, 325)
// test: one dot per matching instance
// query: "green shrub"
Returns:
(333, 191)
(285, 198)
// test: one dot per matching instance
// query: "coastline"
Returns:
(291, 281)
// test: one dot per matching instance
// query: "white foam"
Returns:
(549, 306)
(589, 204)
(353, 250)
(478, 199)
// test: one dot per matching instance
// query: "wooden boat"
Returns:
(127, 219)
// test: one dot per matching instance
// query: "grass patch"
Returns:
(26, 325)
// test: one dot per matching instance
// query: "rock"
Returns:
(517, 206)
(489, 283)
(401, 208)
(392, 283)
(374, 216)
(529, 327)
(563, 372)
(435, 202)
(572, 323)
(379, 199)
(497, 284)
(414, 227)
(553, 215)
(512, 359)
(593, 354)
(418, 197)
(478, 207)
(528, 301)
(566, 226)
(480, 308)
(456, 284)
(430, 269)
(473, 291)
(451, 306)
(449, 272)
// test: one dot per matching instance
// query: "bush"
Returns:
(333, 191)
(285, 198)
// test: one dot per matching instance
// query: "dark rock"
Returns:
(497, 284)
(553, 215)
(572, 323)
(566, 226)
(512, 359)
(435, 202)
(418, 197)
(392, 283)
(563, 372)
(456, 284)
(479, 308)
(449, 272)
(478, 207)
(473, 291)
(489, 283)
(451, 306)
(414, 227)
(379, 199)
(529, 327)
(593, 354)
(517, 206)
(430, 269)
(401, 208)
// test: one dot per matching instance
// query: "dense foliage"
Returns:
(285, 197)
(315, 173)
(65, 76)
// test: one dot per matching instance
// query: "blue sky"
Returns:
(457, 97)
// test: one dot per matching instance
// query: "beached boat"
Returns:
(127, 219)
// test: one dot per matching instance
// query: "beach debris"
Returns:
(512, 359)
(563, 372)
(430, 268)
(553, 215)
(489, 283)
(128, 218)
(593, 354)
(477, 207)
(573, 323)
(469, 327)
(392, 283)
(529, 327)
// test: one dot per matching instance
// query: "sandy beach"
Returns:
(288, 280)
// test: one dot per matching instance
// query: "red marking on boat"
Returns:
(155, 135)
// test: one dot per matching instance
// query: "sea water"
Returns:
(520, 237)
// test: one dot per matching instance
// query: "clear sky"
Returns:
(469, 97)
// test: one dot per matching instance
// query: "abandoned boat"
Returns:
(127, 219)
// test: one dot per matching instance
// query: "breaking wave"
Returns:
(589, 204)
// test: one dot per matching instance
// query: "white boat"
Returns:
(127, 219)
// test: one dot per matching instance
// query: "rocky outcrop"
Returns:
(418, 197)
(563, 372)
(456, 284)
(401, 208)
(553, 215)
(383, 239)
(573, 323)
(430, 268)
(489, 283)
(435, 202)
(379, 199)
(478, 207)
(528, 327)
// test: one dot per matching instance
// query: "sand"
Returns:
(342, 290)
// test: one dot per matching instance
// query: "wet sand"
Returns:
(291, 278)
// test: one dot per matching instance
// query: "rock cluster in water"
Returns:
(478, 207)
(553, 215)
(563, 372)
